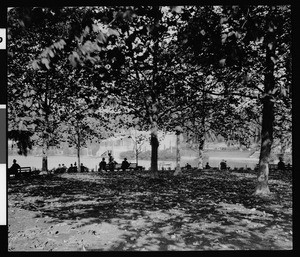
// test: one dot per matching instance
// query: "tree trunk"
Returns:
(78, 152)
(45, 155)
(78, 159)
(267, 115)
(177, 169)
(154, 151)
(265, 150)
(282, 147)
(137, 157)
(45, 161)
(200, 152)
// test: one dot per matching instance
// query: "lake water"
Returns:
(93, 162)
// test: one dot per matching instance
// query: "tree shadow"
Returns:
(114, 197)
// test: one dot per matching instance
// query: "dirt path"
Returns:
(92, 212)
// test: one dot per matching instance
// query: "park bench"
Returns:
(271, 166)
(118, 166)
(166, 166)
(26, 171)
(132, 166)
(274, 167)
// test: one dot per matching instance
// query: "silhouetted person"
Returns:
(14, 169)
(71, 168)
(125, 164)
(58, 169)
(83, 168)
(75, 167)
(207, 166)
(102, 165)
(280, 165)
(111, 162)
(64, 168)
(223, 165)
(188, 166)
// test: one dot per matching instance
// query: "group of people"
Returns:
(103, 166)
(73, 168)
(14, 169)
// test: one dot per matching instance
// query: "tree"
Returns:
(273, 33)
(33, 96)
(250, 38)
(138, 139)
(131, 49)
(132, 57)
(178, 170)
(39, 91)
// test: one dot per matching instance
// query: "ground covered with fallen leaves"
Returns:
(200, 210)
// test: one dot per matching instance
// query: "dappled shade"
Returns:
(207, 210)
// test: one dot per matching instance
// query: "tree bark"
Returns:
(137, 157)
(45, 161)
(154, 151)
(46, 109)
(177, 169)
(265, 150)
(282, 147)
(262, 187)
(78, 152)
(201, 150)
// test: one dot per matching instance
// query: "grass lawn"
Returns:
(210, 210)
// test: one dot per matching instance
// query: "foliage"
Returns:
(23, 139)
(183, 67)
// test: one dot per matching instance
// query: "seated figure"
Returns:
(125, 164)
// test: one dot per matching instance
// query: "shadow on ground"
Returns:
(203, 210)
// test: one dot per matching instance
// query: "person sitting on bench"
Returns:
(223, 165)
(14, 169)
(280, 165)
(125, 164)
(188, 166)
(102, 165)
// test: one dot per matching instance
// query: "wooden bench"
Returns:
(271, 166)
(132, 166)
(274, 167)
(166, 166)
(23, 171)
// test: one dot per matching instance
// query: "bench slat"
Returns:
(24, 169)
(119, 165)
